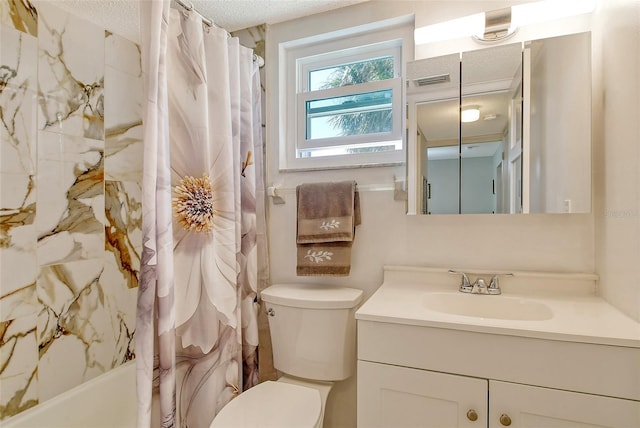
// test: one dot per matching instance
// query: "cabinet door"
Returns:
(534, 407)
(400, 397)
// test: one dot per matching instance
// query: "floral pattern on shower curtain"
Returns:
(197, 332)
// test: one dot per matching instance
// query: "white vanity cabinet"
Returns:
(401, 397)
(577, 366)
(530, 406)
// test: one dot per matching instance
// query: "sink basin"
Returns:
(484, 306)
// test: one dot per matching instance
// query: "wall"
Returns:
(70, 219)
(563, 243)
(617, 153)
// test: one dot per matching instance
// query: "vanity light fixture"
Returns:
(500, 24)
(497, 26)
(469, 114)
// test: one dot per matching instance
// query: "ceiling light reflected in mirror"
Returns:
(469, 114)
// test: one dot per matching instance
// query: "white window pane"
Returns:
(357, 114)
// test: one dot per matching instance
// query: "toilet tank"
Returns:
(313, 329)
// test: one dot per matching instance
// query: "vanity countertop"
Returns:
(576, 313)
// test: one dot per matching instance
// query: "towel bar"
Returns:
(399, 193)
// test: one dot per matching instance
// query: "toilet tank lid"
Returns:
(312, 296)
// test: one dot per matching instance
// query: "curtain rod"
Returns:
(205, 20)
(209, 22)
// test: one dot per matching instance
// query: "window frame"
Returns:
(299, 57)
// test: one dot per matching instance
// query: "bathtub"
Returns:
(107, 401)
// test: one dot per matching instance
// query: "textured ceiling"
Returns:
(122, 16)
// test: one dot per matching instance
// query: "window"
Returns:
(345, 101)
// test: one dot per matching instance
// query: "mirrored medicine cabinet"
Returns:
(504, 129)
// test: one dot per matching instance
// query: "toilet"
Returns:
(313, 335)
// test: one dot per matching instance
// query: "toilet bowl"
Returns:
(313, 338)
(285, 403)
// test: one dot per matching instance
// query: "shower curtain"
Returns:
(196, 332)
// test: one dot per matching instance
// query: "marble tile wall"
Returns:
(70, 201)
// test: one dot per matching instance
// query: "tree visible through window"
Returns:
(363, 122)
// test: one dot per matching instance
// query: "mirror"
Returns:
(527, 146)
(491, 84)
(437, 129)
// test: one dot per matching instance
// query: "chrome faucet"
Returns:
(479, 286)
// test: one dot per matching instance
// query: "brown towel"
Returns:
(327, 216)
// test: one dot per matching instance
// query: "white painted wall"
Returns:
(568, 235)
(617, 153)
(564, 243)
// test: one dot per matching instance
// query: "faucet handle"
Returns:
(464, 282)
(494, 284)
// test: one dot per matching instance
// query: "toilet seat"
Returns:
(272, 405)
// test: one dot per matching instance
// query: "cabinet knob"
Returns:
(472, 415)
(505, 420)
